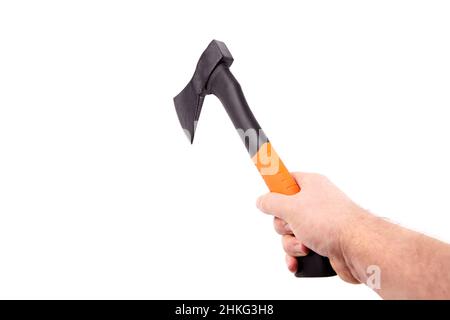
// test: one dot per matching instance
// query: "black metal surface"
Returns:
(188, 103)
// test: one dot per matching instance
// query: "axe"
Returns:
(213, 76)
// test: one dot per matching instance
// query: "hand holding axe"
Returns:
(213, 76)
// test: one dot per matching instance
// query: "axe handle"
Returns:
(279, 180)
(224, 85)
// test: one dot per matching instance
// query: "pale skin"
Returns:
(324, 219)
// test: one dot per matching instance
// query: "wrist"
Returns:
(351, 236)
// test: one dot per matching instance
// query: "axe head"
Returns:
(188, 103)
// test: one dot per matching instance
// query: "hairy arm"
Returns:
(396, 262)
(411, 265)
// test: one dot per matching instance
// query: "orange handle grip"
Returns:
(279, 180)
(274, 172)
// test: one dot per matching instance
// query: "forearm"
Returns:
(410, 265)
(361, 247)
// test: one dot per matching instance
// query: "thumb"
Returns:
(276, 204)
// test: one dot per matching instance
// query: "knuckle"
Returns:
(316, 175)
(321, 177)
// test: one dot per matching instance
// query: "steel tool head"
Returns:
(188, 103)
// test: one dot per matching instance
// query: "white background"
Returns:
(101, 195)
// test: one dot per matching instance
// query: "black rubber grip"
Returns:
(314, 265)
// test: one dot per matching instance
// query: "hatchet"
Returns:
(213, 76)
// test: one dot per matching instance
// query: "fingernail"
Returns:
(258, 203)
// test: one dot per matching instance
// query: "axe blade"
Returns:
(188, 103)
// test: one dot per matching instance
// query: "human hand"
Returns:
(317, 217)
